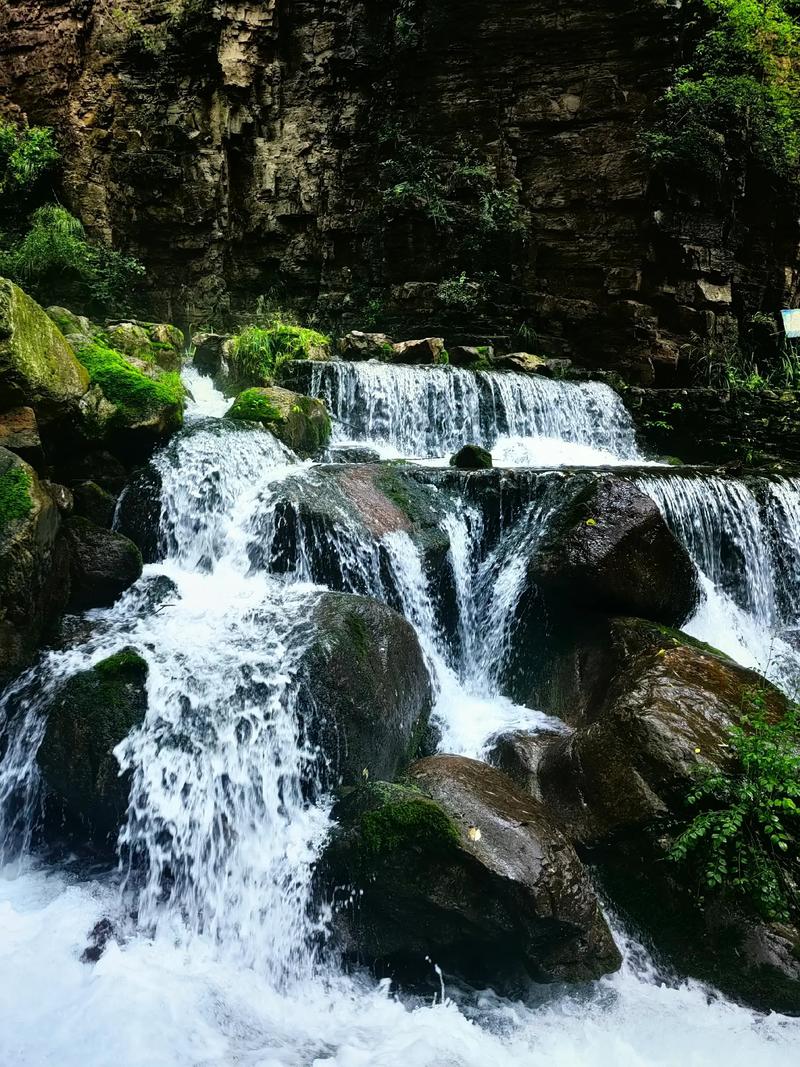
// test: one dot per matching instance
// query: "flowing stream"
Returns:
(218, 949)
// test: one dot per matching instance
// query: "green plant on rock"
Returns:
(404, 816)
(136, 395)
(55, 258)
(15, 496)
(746, 834)
(460, 292)
(260, 351)
(737, 97)
(252, 406)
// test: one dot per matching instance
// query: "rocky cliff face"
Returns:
(250, 150)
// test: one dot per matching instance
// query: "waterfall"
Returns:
(215, 956)
(743, 538)
(430, 412)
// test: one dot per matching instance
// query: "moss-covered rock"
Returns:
(87, 718)
(301, 422)
(609, 549)
(37, 366)
(365, 694)
(472, 458)
(34, 568)
(68, 322)
(103, 564)
(156, 343)
(458, 866)
(141, 404)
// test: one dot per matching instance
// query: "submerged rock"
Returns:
(301, 422)
(365, 693)
(103, 564)
(610, 550)
(34, 563)
(87, 718)
(472, 458)
(460, 868)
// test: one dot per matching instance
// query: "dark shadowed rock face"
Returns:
(102, 564)
(610, 550)
(365, 693)
(472, 458)
(87, 718)
(461, 867)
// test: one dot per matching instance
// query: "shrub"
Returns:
(258, 351)
(745, 835)
(26, 154)
(55, 258)
(738, 95)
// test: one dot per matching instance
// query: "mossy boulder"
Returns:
(156, 343)
(34, 567)
(68, 322)
(365, 693)
(610, 550)
(103, 564)
(38, 367)
(88, 716)
(301, 422)
(472, 458)
(133, 405)
(457, 866)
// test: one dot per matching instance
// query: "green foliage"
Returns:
(55, 258)
(405, 818)
(135, 394)
(258, 352)
(738, 95)
(26, 154)
(460, 292)
(756, 362)
(15, 498)
(745, 836)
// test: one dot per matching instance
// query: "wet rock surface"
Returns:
(103, 564)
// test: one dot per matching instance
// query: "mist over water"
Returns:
(218, 954)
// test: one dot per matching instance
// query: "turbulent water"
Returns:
(218, 953)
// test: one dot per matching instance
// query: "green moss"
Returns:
(15, 496)
(404, 817)
(358, 634)
(136, 395)
(258, 352)
(126, 660)
(254, 406)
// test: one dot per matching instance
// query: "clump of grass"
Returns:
(15, 498)
(259, 351)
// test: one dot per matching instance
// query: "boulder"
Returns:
(88, 716)
(460, 868)
(34, 565)
(208, 352)
(667, 712)
(38, 368)
(425, 350)
(68, 322)
(103, 564)
(19, 433)
(353, 454)
(522, 362)
(156, 343)
(365, 694)
(470, 356)
(301, 422)
(359, 346)
(472, 458)
(609, 549)
(93, 503)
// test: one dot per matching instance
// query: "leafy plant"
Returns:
(56, 257)
(737, 97)
(745, 835)
(459, 292)
(26, 153)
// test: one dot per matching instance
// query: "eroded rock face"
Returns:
(365, 692)
(610, 550)
(461, 867)
(87, 718)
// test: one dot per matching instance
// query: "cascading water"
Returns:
(744, 540)
(213, 960)
(430, 412)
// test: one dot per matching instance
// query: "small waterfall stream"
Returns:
(217, 955)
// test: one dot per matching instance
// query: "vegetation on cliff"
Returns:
(736, 99)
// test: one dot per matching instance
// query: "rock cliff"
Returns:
(472, 166)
